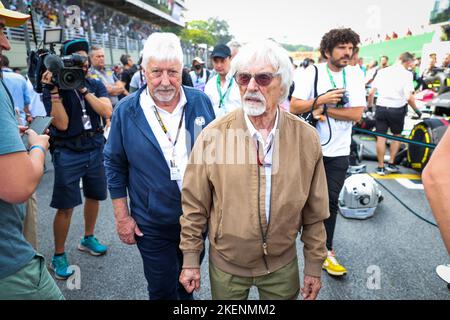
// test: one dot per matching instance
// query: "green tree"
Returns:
(219, 30)
(197, 36)
(211, 32)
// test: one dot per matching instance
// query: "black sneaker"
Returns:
(381, 171)
(392, 168)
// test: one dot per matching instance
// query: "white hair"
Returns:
(162, 46)
(263, 53)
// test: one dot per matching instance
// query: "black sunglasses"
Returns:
(263, 79)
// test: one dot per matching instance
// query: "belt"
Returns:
(391, 107)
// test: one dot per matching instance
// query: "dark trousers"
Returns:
(335, 169)
(163, 261)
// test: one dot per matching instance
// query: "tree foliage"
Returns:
(211, 32)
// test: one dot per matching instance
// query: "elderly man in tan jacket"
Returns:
(256, 179)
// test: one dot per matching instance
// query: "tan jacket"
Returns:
(225, 196)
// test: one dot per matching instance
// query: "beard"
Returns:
(254, 104)
(338, 62)
(164, 93)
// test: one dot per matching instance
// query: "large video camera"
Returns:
(67, 70)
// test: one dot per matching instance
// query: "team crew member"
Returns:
(395, 89)
(222, 88)
(338, 109)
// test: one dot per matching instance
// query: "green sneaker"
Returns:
(93, 246)
(60, 266)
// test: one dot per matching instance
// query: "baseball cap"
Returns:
(221, 51)
(199, 60)
(12, 18)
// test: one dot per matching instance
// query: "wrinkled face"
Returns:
(341, 55)
(4, 43)
(98, 59)
(222, 65)
(163, 80)
(256, 98)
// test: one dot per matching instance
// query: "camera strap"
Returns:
(333, 83)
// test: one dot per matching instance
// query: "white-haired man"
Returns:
(256, 206)
(152, 133)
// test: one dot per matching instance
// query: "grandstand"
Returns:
(119, 26)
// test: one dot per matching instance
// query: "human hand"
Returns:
(318, 114)
(47, 78)
(127, 229)
(311, 288)
(332, 97)
(37, 140)
(190, 279)
(22, 130)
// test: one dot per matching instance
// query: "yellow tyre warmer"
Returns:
(428, 131)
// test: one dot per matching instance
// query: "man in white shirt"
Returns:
(340, 101)
(199, 75)
(395, 91)
(222, 88)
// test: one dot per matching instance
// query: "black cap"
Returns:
(74, 45)
(221, 51)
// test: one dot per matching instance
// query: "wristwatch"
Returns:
(84, 93)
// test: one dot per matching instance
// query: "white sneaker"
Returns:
(443, 272)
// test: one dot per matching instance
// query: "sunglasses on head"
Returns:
(263, 79)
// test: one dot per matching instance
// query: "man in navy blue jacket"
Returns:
(152, 133)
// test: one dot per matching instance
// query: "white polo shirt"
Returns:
(230, 89)
(339, 144)
(394, 85)
(171, 122)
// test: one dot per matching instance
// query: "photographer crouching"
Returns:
(77, 147)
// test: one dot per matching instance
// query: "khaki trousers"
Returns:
(283, 284)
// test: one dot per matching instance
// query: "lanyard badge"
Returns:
(85, 118)
(223, 97)
(175, 171)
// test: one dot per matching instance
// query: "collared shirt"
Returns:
(171, 121)
(268, 153)
(107, 77)
(232, 100)
(394, 85)
(17, 86)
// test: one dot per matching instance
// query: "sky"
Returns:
(305, 22)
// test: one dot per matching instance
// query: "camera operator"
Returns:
(77, 149)
(341, 101)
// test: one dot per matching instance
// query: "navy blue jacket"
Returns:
(135, 162)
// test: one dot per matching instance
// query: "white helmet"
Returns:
(359, 197)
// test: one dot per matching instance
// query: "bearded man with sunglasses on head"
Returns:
(255, 179)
